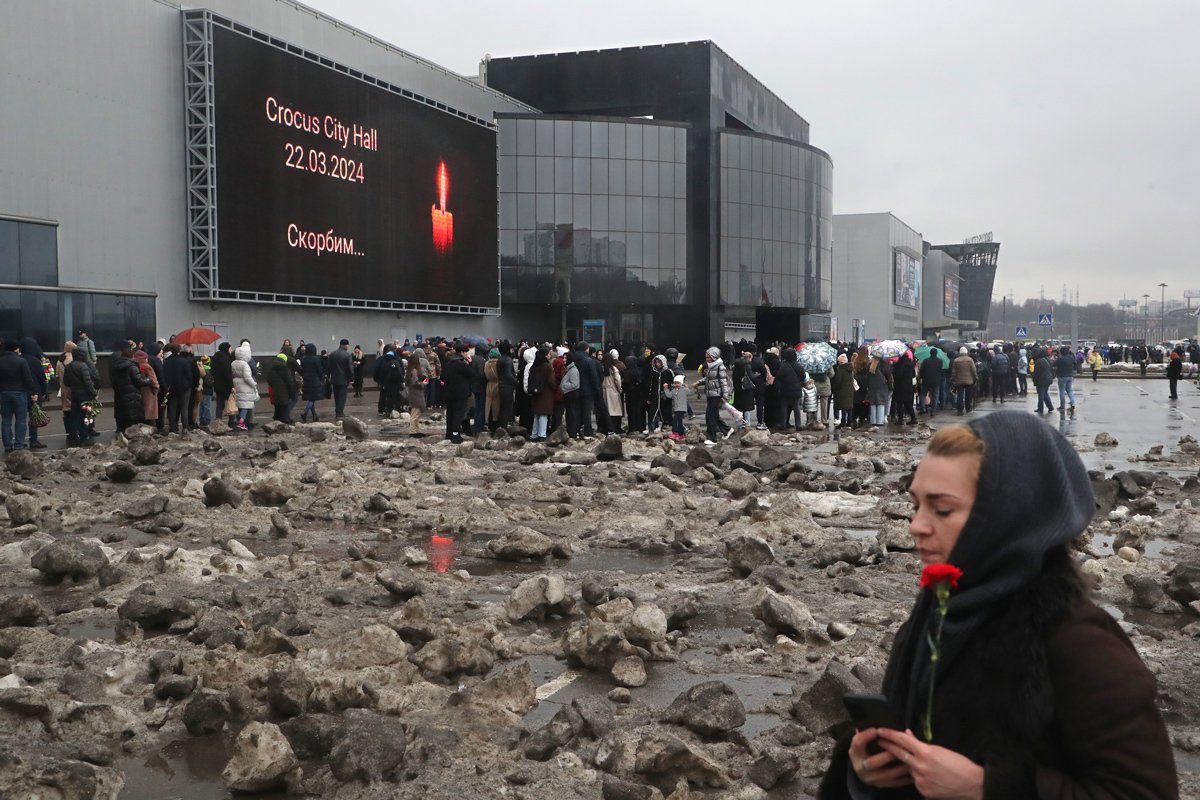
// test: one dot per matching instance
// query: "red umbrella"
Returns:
(197, 336)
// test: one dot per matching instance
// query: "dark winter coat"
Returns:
(77, 378)
(221, 367)
(1064, 365)
(542, 403)
(389, 372)
(1175, 368)
(904, 378)
(1043, 372)
(15, 375)
(282, 380)
(180, 374)
(931, 372)
(341, 367)
(312, 374)
(789, 381)
(843, 387)
(879, 384)
(32, 353)
(127, 382)
(457, 376)
(590, 375)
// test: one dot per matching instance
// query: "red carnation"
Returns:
(934, 574)
(941, 578)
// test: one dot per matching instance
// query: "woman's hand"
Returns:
(937, 773)
(881, 770)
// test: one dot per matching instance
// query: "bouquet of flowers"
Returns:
(91, 410)
(37, 417)
(47, 368)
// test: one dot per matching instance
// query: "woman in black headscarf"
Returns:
(1035, 692)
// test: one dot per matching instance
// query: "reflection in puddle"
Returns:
(185, 769)
(441, 553)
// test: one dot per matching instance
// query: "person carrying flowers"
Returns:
(1008, 680)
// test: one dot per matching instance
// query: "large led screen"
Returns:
(330, 187)
(908, 281)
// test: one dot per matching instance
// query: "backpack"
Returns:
(536, 383)
(748, 384)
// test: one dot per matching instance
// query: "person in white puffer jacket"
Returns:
(245, 387)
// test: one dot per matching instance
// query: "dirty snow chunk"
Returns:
(595, 644)
(371, 746)
(120, 472)
(610, 448)
(536, 596)
(261, 759)
(400, 582)
(69, 559)
(629, 672)
(355, 429)
(147, 506)
(459, 653)
(647, 624)
(23, 611)
(272, 490)
(1105, 439)
(218, 492)
(739, 483)
(784, 614)
(746, 553)
(239, 550)
(24, 464)
(829, 504)
(666, 756)
(373, 645)
(23, 509)
(708, 708)
(521, 543)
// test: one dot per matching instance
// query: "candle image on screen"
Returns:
(443, 220)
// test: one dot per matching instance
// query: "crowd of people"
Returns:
(586, 390)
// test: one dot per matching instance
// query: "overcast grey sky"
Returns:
(1069, 129)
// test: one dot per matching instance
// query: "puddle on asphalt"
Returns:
(1155, 548)
(628, 561)
(185, 769)
(667, 681)
(1145, 618)
(91, 629)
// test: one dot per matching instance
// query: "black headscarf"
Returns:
(1033, 497)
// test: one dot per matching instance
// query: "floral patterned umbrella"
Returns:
(888, 348)
(817, 357)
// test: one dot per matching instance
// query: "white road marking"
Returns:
(1176, 409)
(553, 687)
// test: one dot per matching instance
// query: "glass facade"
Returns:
(592, 211)
(776, 246)
(29, 257)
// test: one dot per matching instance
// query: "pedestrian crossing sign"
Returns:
(1022, 332)
(1046, 320)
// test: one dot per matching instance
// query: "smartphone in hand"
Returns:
(871, 711)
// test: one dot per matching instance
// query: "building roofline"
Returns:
(709, 42)
(181, 5)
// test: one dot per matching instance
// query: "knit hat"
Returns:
(713, 352)
(962, 351)
(140, 355)
(841, 359)
(613, 354)
(344, 342)
(678, 379)
(493, 353)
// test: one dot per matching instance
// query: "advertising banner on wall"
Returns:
(907, 282)
(950, 297)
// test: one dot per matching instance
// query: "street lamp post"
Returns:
(1162, 313)
(1146, 319)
